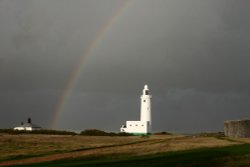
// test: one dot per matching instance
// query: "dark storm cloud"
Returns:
(194, 54)
(190, 46)
(36, 34)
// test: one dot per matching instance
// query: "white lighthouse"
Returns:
(144, 126)
(146, 105)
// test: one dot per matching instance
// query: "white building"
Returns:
(144, 126)
(29, 126)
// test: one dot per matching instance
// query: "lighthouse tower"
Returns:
(144, 126)
(146, 105)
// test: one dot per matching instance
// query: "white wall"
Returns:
(26, 128)
(136, 127)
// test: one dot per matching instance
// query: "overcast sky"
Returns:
(193, 54)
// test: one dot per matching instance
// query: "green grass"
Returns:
(231, 156)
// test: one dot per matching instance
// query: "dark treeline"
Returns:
(88, 132)
(43, 131)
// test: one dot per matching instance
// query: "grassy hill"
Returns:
(155, 150)
(230, 156)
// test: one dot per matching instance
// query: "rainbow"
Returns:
(71, 82)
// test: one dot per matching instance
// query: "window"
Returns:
(147, 92)
(144, 100)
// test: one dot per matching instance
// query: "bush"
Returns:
(96, 132)
(162, 133)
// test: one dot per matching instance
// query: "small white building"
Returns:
(144, 126)
(29, 126)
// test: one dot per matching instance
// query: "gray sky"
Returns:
(193, 54)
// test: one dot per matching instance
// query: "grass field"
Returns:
(231, 156)
(156, 150)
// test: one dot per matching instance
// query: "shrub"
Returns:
(96, 132)
(162, 133)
